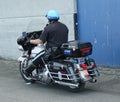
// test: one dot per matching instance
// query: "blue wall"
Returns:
(99, 23)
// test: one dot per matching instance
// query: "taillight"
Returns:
(86, 51)
(84, 66)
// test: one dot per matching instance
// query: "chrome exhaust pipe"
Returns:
(67, 84)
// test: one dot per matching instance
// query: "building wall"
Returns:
(16, 16)
(99, 22)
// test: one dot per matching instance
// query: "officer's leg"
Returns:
(35, 62)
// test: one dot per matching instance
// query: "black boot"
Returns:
(30, 68)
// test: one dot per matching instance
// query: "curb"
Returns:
(109, 71)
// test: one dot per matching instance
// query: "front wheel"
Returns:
(27, 79)
(77, 89)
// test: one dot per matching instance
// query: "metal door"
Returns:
(99, 23)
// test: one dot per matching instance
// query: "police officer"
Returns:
(54, 34)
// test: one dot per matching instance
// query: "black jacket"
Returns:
(54, 34)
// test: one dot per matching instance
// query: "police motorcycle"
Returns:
(72, 68)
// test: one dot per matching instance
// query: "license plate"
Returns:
(85, 73)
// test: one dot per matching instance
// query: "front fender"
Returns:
(22, 58)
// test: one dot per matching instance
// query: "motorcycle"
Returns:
(72, 67)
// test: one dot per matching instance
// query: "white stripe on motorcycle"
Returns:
(37, 56)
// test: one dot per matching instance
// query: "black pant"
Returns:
(49, 54)
(38, 58)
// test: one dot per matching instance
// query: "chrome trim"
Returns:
(66, 75)
(67, 84)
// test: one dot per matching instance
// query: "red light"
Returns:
(84, 66)
(85, 51)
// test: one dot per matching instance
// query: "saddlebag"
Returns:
(76, 49)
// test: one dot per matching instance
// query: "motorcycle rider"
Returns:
(54, 34)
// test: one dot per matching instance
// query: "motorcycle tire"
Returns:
(27, 79)
(77, 89)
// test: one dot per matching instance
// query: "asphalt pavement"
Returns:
(14, 89)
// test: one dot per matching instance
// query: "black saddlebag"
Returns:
(76, 49)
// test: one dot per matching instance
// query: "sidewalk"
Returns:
(110, 70)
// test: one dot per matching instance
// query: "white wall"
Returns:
(16, 15)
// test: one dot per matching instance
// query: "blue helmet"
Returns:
(52, 15)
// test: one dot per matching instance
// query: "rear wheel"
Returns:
(27, 78)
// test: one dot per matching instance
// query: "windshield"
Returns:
(36, 24)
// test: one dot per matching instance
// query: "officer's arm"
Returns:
(36, 41)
